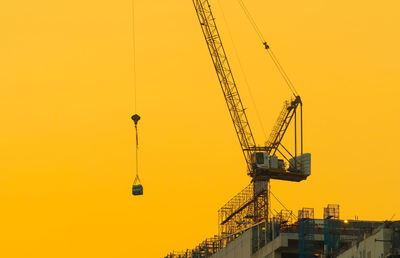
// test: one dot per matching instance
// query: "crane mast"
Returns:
(226, 80)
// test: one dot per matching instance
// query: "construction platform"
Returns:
(279, 174)
(289, 236)
(371, 239)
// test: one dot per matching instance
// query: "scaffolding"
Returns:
(205, 249)
(306, 232)
(260, 236)
(331, 211)
(285, 219)
(247, 208)
(331, 232)
(174, 254)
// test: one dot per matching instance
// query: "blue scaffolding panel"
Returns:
(306, 233)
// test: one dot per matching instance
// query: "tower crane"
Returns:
(261, 161)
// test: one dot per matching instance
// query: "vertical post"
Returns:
(295, 138)
(268, 208)
(255, 200)
(258, 236)
(301, 126)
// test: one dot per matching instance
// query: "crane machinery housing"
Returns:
(251, 205)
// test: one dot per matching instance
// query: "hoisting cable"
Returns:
(134, 53)
(276, 198)
(267, 47)
(137, 188)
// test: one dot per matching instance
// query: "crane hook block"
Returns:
(135, 118)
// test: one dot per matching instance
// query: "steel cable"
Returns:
(134, 54)
(242, 69)
(135, 89)
(272, 55)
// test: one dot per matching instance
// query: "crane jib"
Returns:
(226, 80)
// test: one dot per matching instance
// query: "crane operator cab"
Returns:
(262, 160)
(264, 164)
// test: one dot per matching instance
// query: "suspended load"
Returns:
(137, 188)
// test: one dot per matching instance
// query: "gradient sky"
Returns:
(67, 157)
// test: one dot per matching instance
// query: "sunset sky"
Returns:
(68, 145)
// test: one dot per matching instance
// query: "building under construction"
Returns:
(287, 235)
(247, 227)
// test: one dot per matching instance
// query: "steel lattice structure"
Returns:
(331, 224)
(306, 232)
(226, 80)
(289, 111)
(248, 207)
(331, 212)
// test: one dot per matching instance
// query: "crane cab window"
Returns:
(260, 158)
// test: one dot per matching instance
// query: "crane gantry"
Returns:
(261, 161)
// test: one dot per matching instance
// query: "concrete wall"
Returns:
(369, 248)
(241, 247)
(274, 248)
(238, 248)
(270, 250)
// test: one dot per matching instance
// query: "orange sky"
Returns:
(67, 156)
